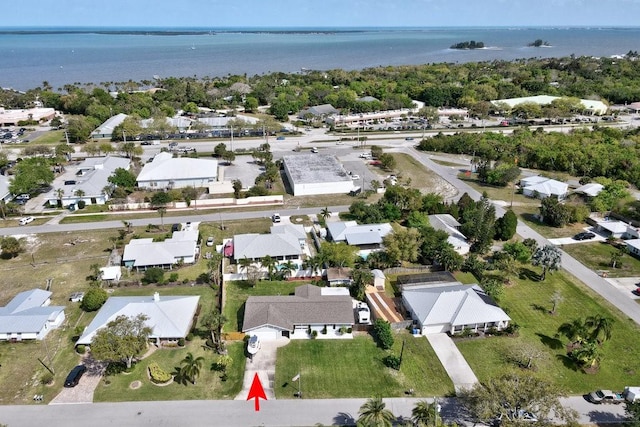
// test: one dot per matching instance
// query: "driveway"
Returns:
(83, 392)
(453, 361)
(570, 240)
(263, 364)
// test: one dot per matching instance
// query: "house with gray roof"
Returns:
(452, 307)
(542, 187)
(87, 181)
(105, 130)
(323, 310)
(29, 316)
(285, 243)
(367, 237)
(448, 224)
(166, 172)
(169, 317)
(142, 254)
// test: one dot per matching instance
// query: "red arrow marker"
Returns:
(256, 391)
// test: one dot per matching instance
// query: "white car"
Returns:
(364, 314)
(355, 177)
(275, 217)
(253, 345)
(26, 220)
(314, 150)
(210, 241)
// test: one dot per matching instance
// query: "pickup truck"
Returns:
(630, 394)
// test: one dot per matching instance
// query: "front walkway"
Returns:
(264, 364)
(453, 361)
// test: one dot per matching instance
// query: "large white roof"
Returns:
(355, 234)
(169, 316)
(597, 107)
(145, 252)
(165, 167)
(315, 168)
(28, 312)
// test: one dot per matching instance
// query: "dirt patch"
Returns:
(135, 385)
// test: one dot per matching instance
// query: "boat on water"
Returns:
(253, 345)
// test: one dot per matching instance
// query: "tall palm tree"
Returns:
(190, 368)
(244, 263)
(601, 327)
(60, 194)
(269, 263)
(213, 321)
(576, 331)
(373, 414)
(162, 211)
(288, 268)
(324, 213)
(424, 414)
(313, 264)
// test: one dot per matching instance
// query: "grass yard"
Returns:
(409, 169)
(54, 137)
(597, 256)
(500, 193)
(238, 292)
(116, 388)
(528, 303)
(354, 368)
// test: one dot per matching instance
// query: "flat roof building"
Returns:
(312, 174)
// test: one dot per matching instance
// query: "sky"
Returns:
(319, 13)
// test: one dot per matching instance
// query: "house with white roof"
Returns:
(451, 226)
(591, 189)
(617, 229)
(633, 246)
(541, 187)
(169, 317)
(29, 316)
(452, 307)
(5, 194)
(105, 130)
(87, 181)
(166, 172)
(327, 311)
(367, 237)
(284, 243)
(142, 254)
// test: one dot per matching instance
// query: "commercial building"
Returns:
(15, 117)
(166, 172)
(313, 174)
(590, 106)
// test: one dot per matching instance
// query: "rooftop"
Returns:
(315, 168)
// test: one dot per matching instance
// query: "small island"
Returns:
(468, 45)
(539, 43)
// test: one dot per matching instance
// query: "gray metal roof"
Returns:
(453, 304)
(318, 110)
(27, 312)
(165, 167)
(144, 252)
(307, 307)
(315, 168)
(254, 246)
(107, 127)
(169, 316)
(355, 234)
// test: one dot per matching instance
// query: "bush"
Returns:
(81, 349)
(173, 277)
(93, 299)
(157, 374)
(81, 204)
(190, 336)
(392, 362)
(181, 342)
(324, 330)
(46, 378)
(314, 333)
(153, 275)
(382, 333)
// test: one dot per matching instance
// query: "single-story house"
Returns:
(314, 174)
(633, 246)
(5, 194)
(166, 171)
(452, 307)
(318, 111)
(86, 181)
(591, 189)
(367, 237)
(105, 130)
(28, 316)
(145, 253)
(285, 244)
(451, 226)
(542, 187)
(169, 317)
(327, 311)
(617, 229)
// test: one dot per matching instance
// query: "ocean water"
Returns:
(62, 56)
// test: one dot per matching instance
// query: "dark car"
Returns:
(585, 235)
(74, 376)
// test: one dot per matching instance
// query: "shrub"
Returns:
(81, 204)
(512, 328)
(324, 330)
(81, 349)
(314, 333)
(382, 333)
(153, 275)
(93, 299)
(173, 277)
(46, 378)
(349, 330)
(343, 329)
(190, 336)
(157, 374)
(392, 361)
(181, 342)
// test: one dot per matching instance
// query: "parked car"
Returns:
(280, 138)
(74, 376)
(26, 220)
(408, 138)
(314, 150)
(355, 177)
(605, 396)
(275, 217)
(253, 345)
(210, 241)
(585, 235)
(364, 314)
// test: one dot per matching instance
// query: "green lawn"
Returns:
(354, 368)
(117, 388)
(528, 303)
(52, 137)
(238, 292)
(597, 256)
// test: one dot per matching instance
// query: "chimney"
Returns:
(156, 297)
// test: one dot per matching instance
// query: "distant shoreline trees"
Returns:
(538, 43)
(472, 44)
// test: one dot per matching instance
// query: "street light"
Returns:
(436, 411)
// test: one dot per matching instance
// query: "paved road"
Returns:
(232, 413)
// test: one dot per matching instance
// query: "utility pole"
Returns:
(231, 138)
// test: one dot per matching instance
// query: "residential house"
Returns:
(142, 254)
(169, 317)
(616, 229)
(452, 307)
(29, 316)
(541, 187)
(5, 194)
(591, 189)
(339, 276)
(166, 172)
(633, 246)
(105, 130)
(367, 237)
(87, 181)
(327, 311)
(285, 243)
(451, 226)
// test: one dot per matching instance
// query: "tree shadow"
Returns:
(528, 274)
(179, 377)
(540, 308)
(551, 342)
(344, 419)
(568, 362)
(603, 417)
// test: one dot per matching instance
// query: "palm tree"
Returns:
(424, 414)
(213, 321)
(161, 211)
(60, 194)
(601, 328)
(324, 213)
(549, 258)
(269, 263)
(190, 368)
(587, 354)
(288, 268)
(313, 264)
(373, 414)
(576, 331)
(244, 263)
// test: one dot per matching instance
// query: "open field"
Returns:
(54, 137)
(528, 303)
(410, 170)
(597, 256)
(354, 368)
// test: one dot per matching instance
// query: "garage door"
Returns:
(435, 329)
(267, 334)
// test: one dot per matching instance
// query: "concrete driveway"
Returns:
(263, 364)
(571, 241)
(453, 361)
(83, 392)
